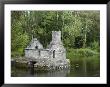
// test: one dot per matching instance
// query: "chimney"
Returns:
(56, 36)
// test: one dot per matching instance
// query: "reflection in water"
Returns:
(31, 71)
(80, 67)
(85, 67)
(58, 73)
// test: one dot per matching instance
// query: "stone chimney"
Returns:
(56, 36)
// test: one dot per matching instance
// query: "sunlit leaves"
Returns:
(39, 24)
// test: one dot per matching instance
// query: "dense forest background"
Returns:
(80, 30)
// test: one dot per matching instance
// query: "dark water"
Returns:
(80, 67)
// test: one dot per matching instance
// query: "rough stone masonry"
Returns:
(53, 56)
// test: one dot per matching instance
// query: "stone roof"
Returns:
(35, 44)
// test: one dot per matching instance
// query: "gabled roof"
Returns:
(35, 44)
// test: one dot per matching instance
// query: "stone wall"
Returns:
(44, 54)
(56, 36)
(32, 53)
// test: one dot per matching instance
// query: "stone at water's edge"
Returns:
(23, 63)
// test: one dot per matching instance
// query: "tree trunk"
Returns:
(84, 43)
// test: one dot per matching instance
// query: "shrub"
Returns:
(81, 52)
(95, 46)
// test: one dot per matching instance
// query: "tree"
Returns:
(79, 29)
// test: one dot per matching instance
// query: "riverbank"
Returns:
(80, 67)
(82, 52)
(38, 64)
(72, 54)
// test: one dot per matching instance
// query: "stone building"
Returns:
(53, 55)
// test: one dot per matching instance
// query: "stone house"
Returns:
(53, 55)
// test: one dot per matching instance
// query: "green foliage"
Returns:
(80, 52)
(79, 29)
(95, 46)
(19, 44)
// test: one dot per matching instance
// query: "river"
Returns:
(80, 67)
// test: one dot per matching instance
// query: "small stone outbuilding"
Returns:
(53, 56)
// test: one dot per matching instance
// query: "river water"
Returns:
(80, 67)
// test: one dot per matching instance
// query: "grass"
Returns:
(82, 52)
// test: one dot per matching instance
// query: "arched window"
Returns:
(36, 47)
